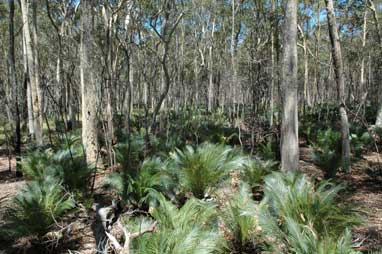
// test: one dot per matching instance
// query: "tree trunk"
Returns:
(378, 121)
(211, 72)
(289, 128)
(362, 81)
(88, 88)
(339, 72)
(32, 64)
(14, 89)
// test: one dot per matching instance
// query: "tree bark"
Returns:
(14, 88)
(88, 89)
(33, 70)
(289, 128)
(339, 73)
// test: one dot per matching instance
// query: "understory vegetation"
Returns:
(206, 196)
(190, 127)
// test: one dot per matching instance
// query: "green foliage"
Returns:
(37, 207)
(268, 150)
(37, 165)
(359, 143)
(327, 151)
(129, 154)
(295, 210)
(205, 166)
(304, 240)
(136, 187)
(254, 171)
(238, 220)
(67, 165)
(188, 230)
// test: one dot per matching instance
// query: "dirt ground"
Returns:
(364, 189)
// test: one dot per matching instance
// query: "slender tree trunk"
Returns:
(378, 121)
(316, 88)
(339, 72)
(39, 104)
(88, 88)
(210, 105)
(32, 64)
(289, 128)
(14, 89)
(271, 103)
(28, 89)
(362, 81)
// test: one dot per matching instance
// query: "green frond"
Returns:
(295, 208)
(239, 217)
(37, 206)
(188, 230)
(205, 166)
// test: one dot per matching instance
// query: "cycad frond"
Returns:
(205, 166)
(239, 218)
(294, 208)
(188, 230)
(37, 206)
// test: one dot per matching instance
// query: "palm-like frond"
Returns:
(239, 218)
(37, 164)
(292, 205)
(254, 171)
(135, 187)
(205, 166)
(67, 165)
(327, 150)
(188, 230)
(37, 206)
(304, 240)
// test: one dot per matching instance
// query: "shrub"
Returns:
(67, 165)
(360, 139)
(327, 152)
(295, 210)
(37, 165)
(188, 230)
(238, 222)
(304, 240)
(129, 154)
(37, 207)
(135, 187)
(254, 171)
(203, 167)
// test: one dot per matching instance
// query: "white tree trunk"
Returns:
(32, 65)
(88, 88)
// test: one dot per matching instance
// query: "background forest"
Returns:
(190, 126)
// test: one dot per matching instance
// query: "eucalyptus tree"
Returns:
(289, 125)
(339, 72)
(33, 67)
(88, 83)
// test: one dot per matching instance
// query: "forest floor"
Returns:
(364, 190)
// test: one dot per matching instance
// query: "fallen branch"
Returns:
(125, 248)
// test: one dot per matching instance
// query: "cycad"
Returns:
(72, 169)
(135, 187)
(37, 207)
(67, 165)
(128, 154)
(327, 152)
(188, 230)
(203, 167)
(37, 164)
(238, 219)
(254, 171)
(303, 239)
(293, 203)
